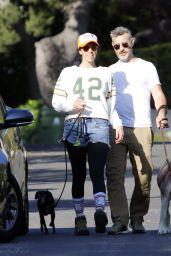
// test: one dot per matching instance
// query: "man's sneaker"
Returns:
(100, 221)
(137, 227)
(81, 226)
(117, 228)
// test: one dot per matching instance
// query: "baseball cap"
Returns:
(87, 38)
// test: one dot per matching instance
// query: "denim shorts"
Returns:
(86, 130)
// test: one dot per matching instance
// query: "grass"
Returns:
(158, 138)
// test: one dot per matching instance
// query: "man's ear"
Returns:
(132, 41)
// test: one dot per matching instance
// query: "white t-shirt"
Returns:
(134, 81)
(94, 85)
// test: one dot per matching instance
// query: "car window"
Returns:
(2, 110)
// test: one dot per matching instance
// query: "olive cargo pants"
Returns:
(138, 143)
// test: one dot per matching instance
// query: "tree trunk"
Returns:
(54, 53)
(28, 48)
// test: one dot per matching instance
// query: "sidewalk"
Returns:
(47, 171)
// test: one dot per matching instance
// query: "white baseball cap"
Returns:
(87, 38)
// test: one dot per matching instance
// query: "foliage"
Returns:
(30, 132)
(9, 17)
(39, 18)
(47, 126)
(43, 16)
(23, 22)
(137, 15)
(39, 23)
(158, 138)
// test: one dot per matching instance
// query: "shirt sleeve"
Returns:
(114, 119)
(62, 100)
(153, 76)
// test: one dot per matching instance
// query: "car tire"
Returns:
(11, 221)
(24, 223)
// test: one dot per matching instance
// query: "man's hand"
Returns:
(161, 122)
(119, 134)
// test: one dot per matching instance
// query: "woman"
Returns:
(87, 92)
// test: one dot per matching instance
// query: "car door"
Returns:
(12, 144)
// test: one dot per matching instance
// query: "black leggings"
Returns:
(97, 153)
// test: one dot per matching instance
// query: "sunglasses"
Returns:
(87, 47)
(117, 46)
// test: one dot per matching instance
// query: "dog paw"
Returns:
(164, 230)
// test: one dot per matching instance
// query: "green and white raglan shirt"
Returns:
(94, 85)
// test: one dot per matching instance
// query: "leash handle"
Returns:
(76, 119)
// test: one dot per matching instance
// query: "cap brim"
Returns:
(91, 41)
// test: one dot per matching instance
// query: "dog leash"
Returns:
(162, 130)
(164, 145)
(63, 140)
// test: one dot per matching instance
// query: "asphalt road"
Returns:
(47, 171)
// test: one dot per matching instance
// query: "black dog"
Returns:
(45, 205)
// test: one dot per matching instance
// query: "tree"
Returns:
(38, 37)
(54, 53)
(149, 20)
(22, 23)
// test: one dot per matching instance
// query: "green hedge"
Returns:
(30, 132)
(47, 126)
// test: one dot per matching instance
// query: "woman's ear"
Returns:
(80, 52)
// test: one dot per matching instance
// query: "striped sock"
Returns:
(100, 200)
(79, 206)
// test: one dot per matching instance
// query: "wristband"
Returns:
(161, 107)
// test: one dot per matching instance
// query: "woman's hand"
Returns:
(79, 104)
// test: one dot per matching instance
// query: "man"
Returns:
(135, 80)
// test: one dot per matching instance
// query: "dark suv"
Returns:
(13, 173)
